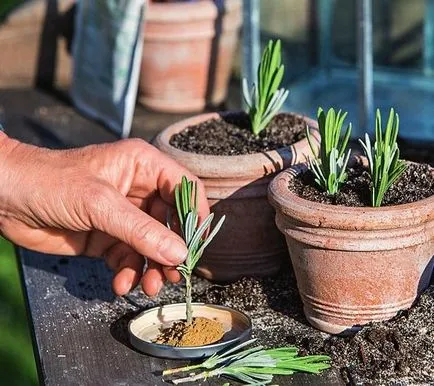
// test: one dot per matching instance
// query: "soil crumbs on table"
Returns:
(395, 352)
(416, 183)
(200, 332)
(232, 135)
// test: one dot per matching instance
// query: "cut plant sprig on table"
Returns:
(194, 235)
(265, 98)
(252, 366)
(385, 167)
(329, 167)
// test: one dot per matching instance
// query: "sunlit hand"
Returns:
(105, 200)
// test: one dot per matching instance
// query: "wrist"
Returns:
(3, 136)
(8, 147)
(6, 143)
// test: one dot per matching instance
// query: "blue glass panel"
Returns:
(322, 65)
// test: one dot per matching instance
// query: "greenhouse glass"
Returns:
(351, 54)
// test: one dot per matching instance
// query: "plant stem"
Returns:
(181, 369)
(188, 307)
(195, 377)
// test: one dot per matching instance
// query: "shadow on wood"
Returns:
(119, 328)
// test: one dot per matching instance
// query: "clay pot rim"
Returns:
(246, 165)
(332, 216)
(176, 12)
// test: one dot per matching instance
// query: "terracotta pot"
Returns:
(354, 265)
(187, 54)
(249, 242)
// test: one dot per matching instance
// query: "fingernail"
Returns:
(130, 285)
(174, 251)
(159, 287)
(123, 288)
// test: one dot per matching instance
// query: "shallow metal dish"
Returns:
(144, 328)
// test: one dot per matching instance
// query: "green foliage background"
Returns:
(7, 5)
(17, 364)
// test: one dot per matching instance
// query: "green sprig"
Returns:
(253, 366)
(385, 167)
(265, 98)
(194, 235)
(330, 166)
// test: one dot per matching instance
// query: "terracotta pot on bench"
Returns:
(187, 54)
(354, 265)
(249, 242)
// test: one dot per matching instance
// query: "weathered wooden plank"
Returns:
(78, 331)
(49, 120)
(45, 120)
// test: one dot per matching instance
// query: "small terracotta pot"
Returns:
(187, 54)
(354, 265)
(249, 242)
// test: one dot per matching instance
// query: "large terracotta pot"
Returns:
(187, 54)
(249, 242)
(354, 265)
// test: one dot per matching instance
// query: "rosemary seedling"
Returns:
(194, 234)
(385, 167)
(329, 167)
(265, 98)
(252, 366)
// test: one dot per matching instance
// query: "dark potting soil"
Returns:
(416, 183)
(232, 135)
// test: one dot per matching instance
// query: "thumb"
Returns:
(116, 216)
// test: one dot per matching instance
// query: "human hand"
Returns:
(101, 200)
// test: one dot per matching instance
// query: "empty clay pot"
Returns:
(187, 54)
(249, 242)
(354, 265)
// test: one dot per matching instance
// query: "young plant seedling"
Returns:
(194, 234)
(252, 366)
(329, 167)
(265, 98)
(385, 167)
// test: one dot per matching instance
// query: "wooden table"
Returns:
(78, 325)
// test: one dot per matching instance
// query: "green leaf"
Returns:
(255, 365)
(238, 347)
(329, 167)
(271, 370)
(199, 232)
(246, 94)
(211, 235)
(262, 103)
(179, 206)
(385, 167)
(310, 141)
(185, 197)
(190, 226)
(345, 141)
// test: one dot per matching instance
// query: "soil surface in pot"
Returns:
(415, 184)
(232, 135)
(200, 332)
